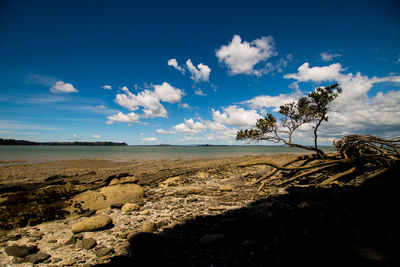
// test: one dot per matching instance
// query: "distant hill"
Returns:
(14, 142)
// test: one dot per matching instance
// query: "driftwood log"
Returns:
(356, 156)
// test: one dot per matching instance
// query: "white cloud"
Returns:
(147, 99)
(101, 107)
(267, 101)
(190, 127)
(121, 117)
(199, 74)
(62, 87)
(168, 93)
(96, 136)
(200, 92)
(161, 131)
(107, 87)
(241, 57)
(184, 105)
(150, 139)
(172, 62)
(318, 74)
(76, 137)
(325, 56)
(236, 116)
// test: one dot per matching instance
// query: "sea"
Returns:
(33, 154)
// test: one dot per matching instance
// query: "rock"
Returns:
(37, 258)
(71, 241)
(104, 252)
(148, 227)
(88, 243)
(211, 238)
(144, 212)
(52, 241)
(122, 235)
(92, 224)
(20, 251)
(225, 188)
(116, 206)
(128, 207)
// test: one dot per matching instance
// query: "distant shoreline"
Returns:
(13, 142)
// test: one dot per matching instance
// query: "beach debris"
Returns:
(92, 224)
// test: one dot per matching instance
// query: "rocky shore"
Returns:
(189, 213)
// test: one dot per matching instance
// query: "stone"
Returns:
(104, 252)
(88, 243)
(20, 251)
(144, 212)
(148, 227)
(211, 238)
(52, 241)
(55, 260)
(71, 241)
(225, 188)
(128, 207)
(14, 237)
(37, 258)
(92, 224)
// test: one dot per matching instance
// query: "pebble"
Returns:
(37, 258)
(128, 207)
(88, 243)
(225, 188)
(52, 241)
(144, 212)
(20, 251)
(148, 227)
(104, 252)
(71, 241)
(92, 224)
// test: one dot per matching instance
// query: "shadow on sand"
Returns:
(351, 226)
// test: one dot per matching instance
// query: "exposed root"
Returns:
(357, 155)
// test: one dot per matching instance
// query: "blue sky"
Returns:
(185, 72)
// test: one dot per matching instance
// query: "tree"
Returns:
(312, 108)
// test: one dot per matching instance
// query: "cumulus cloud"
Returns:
(107, 87)
(61, 87)
(162, 131)
(236, 116)
(121, 117)
(190, 127)
(174, 63)
(242, 57)
(325, 56)
(168, 93)
(199, 74)
(317, 74)
(267, 101)
(96, 136)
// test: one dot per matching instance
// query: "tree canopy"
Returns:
(312, 108)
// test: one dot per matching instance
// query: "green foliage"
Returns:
(312, 108)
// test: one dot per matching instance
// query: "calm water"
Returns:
(139, 153)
